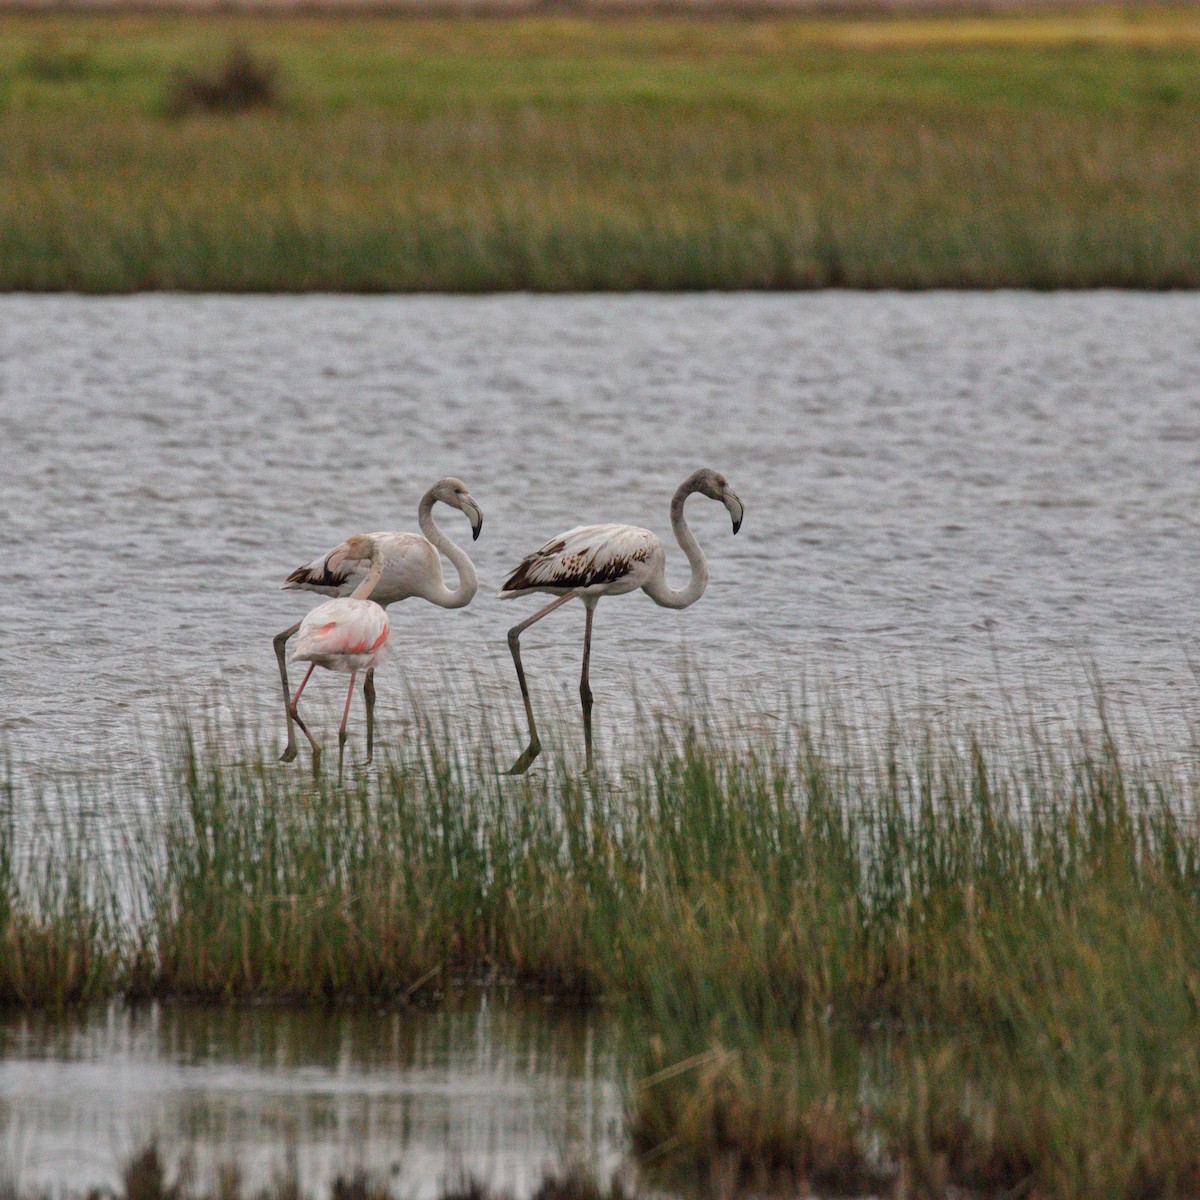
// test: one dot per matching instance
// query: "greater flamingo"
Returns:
(609, 560)
(410, 567)
(347, 634)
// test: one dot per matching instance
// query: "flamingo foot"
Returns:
(289, 753)
(526, 760)
(316, 764)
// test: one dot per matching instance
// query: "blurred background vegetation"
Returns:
(369, 153)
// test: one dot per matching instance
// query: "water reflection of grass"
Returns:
(574, 153)
(150, 1175)
(935, 963)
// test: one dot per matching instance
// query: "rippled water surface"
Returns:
(498, 1092)
(942, 492)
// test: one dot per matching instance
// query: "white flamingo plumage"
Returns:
(609, 560)
(410, 566)
(347, 634)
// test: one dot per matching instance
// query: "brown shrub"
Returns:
(242, 82)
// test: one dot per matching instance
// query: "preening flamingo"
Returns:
(608, 560)
(410, 566)
(348, 634)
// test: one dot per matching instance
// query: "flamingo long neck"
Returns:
(468, 582)
(659, 590)
(364, 589)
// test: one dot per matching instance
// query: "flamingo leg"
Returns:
(369, 700)
(514, 644)
(304, 728)
(342, 735)
(585, 692)
(281, 641)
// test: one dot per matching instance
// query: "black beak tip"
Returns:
(476, 530)
(736, 526)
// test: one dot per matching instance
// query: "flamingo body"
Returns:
(347, 634)
(590, 561)
(411, 567)
(343, 635)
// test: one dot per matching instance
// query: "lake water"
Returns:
(955, 504)
(503, 1092)
(944, 493)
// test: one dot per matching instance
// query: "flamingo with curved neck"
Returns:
(410, 565)
(609, 560)
(468, 582)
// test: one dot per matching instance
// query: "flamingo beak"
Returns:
(734, 505)
(474, 515)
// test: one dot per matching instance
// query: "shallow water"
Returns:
(944, 494)
(502, 1092)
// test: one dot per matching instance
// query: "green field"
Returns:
(557, 153)
(891, 970)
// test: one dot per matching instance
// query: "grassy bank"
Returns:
(899, 970)
(572, 153)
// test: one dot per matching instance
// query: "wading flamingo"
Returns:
(348, 634)
(609, 560)
(410, 567)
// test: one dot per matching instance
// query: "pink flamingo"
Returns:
(411, 567)
(347, 634)
(609, 560)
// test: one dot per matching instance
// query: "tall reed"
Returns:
(59, 939)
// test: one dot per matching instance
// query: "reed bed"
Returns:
(567, 153)
(939, 962)
(58, 910)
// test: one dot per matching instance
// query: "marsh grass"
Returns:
(1011, 948)
(567, 153)
(58, 925)
(944, 961)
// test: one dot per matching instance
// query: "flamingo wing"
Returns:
(333, 574)
(584, 557)
(409, 563)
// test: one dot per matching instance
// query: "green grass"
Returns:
(938, 963)
(573, 153)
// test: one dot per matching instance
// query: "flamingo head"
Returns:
(454, 492)
(713, 485)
